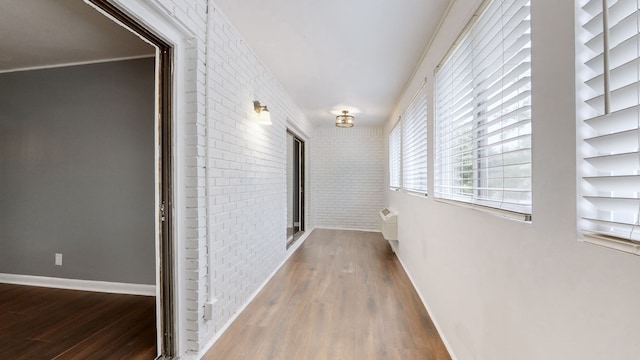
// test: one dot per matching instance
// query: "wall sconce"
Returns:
(264, 118)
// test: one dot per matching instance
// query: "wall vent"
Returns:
(389, 224)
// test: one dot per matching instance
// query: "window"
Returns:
(395, 150)
(483, 113)
(414, 144)
(610, 126)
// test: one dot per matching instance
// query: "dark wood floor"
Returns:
(342, 295)
(44, 323)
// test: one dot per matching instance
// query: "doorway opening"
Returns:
(295, 188)
(87, 164)
(165, 301)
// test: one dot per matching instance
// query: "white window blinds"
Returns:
(610, 203)
(395, 153)
(483, 112)
(414, 144)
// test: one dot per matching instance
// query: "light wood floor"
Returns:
(342, 295)
(44, 323)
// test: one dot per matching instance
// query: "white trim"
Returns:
(612, 243)
(79, 63)
(433, 319)
(414, 73)
(204, 349)
(296, 244)
(511, 215)
(157, 18)
(327, 227)
(472, 20)
(297, 130)
(82, 285)
(395, 244)
(420, 194)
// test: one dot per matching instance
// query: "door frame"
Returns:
(302, 189)
(165, 173)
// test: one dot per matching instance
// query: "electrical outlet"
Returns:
(58, 259)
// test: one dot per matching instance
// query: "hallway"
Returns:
(341, 295)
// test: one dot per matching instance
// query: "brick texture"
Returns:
(235, 187)
(347, 175)
(192, 14)
(235, 205)
(247, 162)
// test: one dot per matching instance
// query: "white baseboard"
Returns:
(435, 322)
(224, 328)
(83, 285)
(296, 244)
(394, 247)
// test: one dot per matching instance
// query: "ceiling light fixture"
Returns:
(264, 117)
(345, 120)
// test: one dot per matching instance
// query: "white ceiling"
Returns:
(328, 54)
(36, 33)
(335, 54)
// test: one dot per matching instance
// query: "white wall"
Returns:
(501, 289)
(247, 178)
(347, 173)
(230, 172)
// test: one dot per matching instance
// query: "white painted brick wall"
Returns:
(247, 169)
(191, 14)
(348, 177)
(235, 217)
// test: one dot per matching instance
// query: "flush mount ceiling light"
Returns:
(264, 118)
(345, 120)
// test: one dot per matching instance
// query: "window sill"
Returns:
(416, 193)
(512, 215)
(612, 243)
(410, 192)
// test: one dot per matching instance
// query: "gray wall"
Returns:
(77, 172)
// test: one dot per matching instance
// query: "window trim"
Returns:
(611, 243)
(512, 215)
(585, 114)
(477, 201)
(396, 127)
